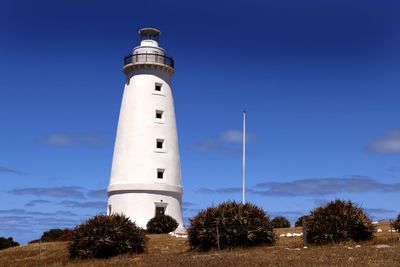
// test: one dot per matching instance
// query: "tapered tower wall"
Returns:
(146, 142)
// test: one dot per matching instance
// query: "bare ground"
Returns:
(164, 250)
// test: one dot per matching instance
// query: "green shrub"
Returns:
(396, 224)
(105, 236)
(299, 222)
(161, 224)
(280, 222)
(56, 235)
(338, 221)
(7, 243)
(230, 225)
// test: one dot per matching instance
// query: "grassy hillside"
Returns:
(164, 250)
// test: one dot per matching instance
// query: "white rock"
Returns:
(358, 246)
(289, 235)
(297, 249)
(379, 230)
(381, 246)
(392, 231)
(375, 222)
(305, 247)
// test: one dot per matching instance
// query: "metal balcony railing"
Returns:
(148, 58)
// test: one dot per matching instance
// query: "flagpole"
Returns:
(244, 158)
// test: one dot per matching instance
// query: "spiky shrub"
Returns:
(338, 221)
(230, 225)
(161, 224)
(280, 222)
(105, 236)
(396, 224)
(299, 222)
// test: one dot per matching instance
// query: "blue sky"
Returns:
(319, 81)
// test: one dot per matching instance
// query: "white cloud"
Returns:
(388, 144)
(232, 136)
(67, 139)
(227, 142)
(63, 191)
(57, 139)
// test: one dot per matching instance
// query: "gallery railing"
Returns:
(148, 58)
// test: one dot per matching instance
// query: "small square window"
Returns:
(160, 144)
(159, 114)
(160, 173)
(158, 87)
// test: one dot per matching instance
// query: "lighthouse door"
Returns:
(160, 211)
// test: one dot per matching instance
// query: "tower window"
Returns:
(160, 173)
(158, 87)
(159, 114)
(160, 144)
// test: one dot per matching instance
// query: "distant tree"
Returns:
(7, 243)
(53, 235)
(396, 224)
(280, 222)
(299, 222)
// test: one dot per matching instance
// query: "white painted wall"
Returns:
(139, 206)
(134, 187)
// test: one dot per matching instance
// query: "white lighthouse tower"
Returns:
(145, 176)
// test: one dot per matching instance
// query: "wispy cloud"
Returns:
(25, 212)
(379, 211)
(324, 186)
(188, 204)
(66, 213)
(227, 190)
(312, 187)
(29, 213)
(69, 139)
(33, 203)
(226, 142)
(58, 192)
(387, 144)
(10, 171)
(84, 204)
(211, 145)
(102, 193)
(393, 169)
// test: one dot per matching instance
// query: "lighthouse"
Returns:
(145, 175)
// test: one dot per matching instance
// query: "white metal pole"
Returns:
(244, 158)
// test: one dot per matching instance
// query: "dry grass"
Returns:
(164, 250)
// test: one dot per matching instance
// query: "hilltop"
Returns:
(165, 250)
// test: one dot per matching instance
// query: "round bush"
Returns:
(299, 222)
(280, 222)
(396, 224)
(338, 221)
(105, 236)
(161, 224)
(230, 225)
